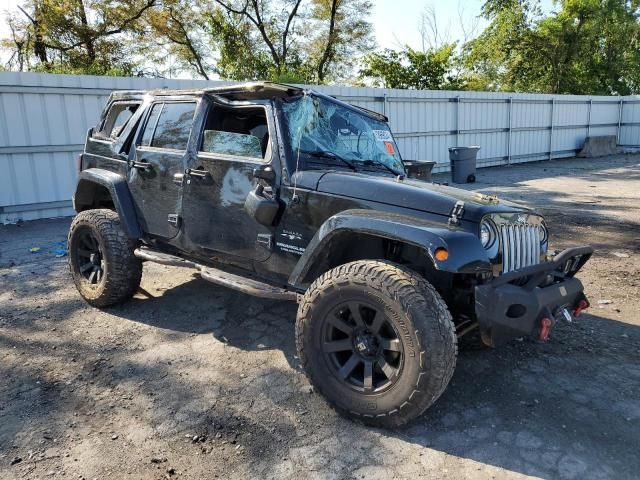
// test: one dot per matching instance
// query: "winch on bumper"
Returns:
(528, 301)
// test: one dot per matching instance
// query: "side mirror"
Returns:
(264, 209)
(267, 174)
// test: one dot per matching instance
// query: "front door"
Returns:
(159, 155)
(233, 142)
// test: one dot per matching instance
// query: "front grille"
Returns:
(520, 246)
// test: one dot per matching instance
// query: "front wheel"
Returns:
(377, 341)
(101, 259)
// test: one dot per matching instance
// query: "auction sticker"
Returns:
(382, 135)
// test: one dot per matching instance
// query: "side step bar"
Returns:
(246, 285)
(164, 258)
(219, 277)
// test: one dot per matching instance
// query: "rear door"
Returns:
(160, 155)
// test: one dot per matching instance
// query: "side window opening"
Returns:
(239, 132)
(117, 119)
(169, 125)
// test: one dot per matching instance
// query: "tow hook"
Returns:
(582, 305)
(546, 324)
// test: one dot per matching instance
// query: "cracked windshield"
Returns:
(327, 133)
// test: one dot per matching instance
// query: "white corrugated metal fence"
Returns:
(44, 119)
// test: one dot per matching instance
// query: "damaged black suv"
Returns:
(289, 194)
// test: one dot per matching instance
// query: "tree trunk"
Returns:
(328, 51)
(85, 34)
(39, 47)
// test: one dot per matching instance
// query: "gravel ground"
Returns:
(191, 381)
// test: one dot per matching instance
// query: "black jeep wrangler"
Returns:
(290, 194)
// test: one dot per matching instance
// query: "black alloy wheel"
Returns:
(376, 340)
(362, 347)
(89, 257)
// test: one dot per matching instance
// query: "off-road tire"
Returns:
(427, 335)
(121, 270)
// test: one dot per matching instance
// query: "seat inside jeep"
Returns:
(238, 131)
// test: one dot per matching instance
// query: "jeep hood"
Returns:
(409, 193)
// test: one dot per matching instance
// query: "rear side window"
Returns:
(169, 125)
(117, 119)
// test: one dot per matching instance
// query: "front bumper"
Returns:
(513, 304)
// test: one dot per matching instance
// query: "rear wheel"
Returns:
(377, 341)
(103, 266)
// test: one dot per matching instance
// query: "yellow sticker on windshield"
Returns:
(389, 147)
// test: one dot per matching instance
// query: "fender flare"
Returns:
(120, 195)
(466, 254)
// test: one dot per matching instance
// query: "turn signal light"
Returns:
(441, 254)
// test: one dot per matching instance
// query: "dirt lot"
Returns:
(193, 381)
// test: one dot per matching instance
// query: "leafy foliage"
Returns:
(286, 40)
(289, 40)
(408, 68)
(587, 47)
(74, 36)
(583, 47)
(177, 30)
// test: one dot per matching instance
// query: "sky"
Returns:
(396, 22)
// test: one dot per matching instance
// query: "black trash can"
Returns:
(463, 164)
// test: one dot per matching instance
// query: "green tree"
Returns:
(496, 58)
(177, 29)
(286, 40)
(342, 34)
(432, 69)
(586, 47)
(289, 40)
(75, 36)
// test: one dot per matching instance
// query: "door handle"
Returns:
(146, 166)
(194, 172)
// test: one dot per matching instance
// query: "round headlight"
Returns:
(544, 238)
(544, 234)
(487, 235)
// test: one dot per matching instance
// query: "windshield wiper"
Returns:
(378, 162)
(329, 155)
